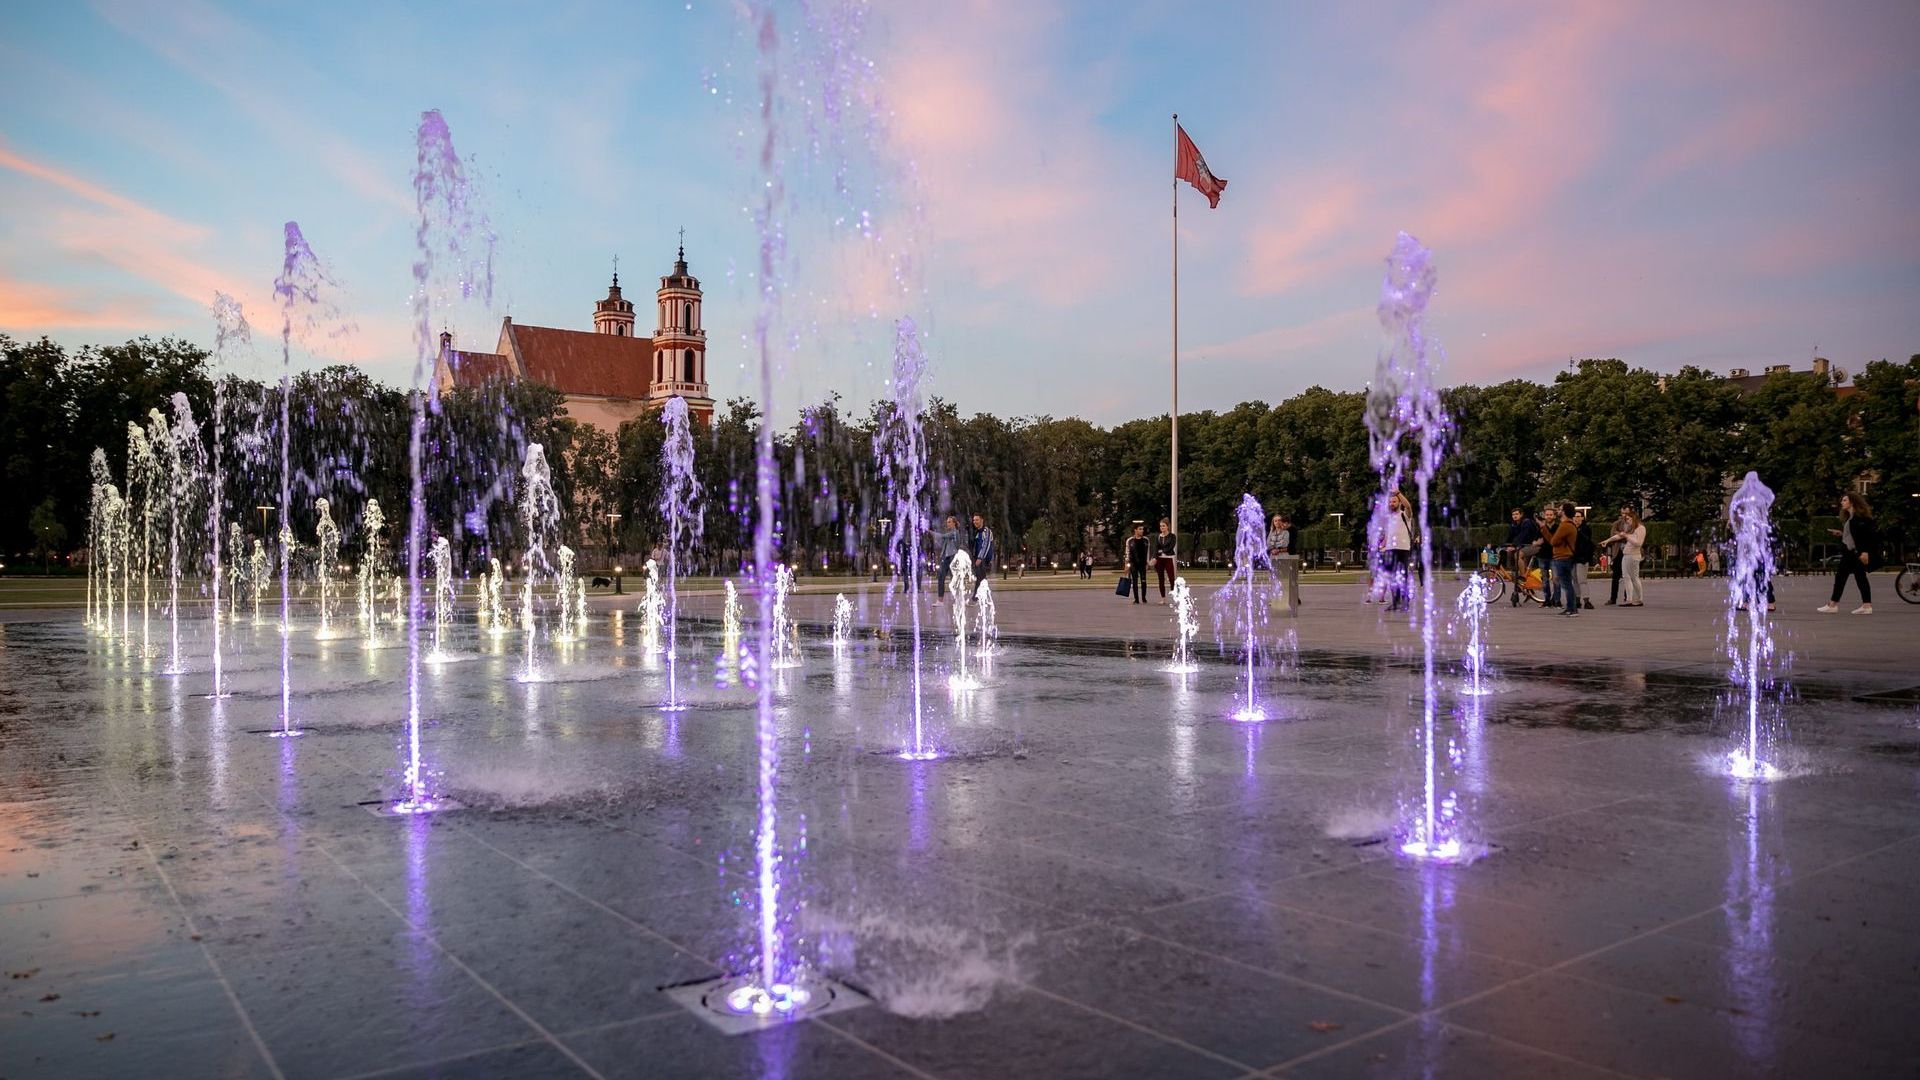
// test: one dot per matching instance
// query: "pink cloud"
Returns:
(31, 307)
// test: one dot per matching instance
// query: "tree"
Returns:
(48, 533)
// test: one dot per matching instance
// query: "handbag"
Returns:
(1124, 588)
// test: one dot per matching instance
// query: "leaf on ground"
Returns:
(1672, 999)
(88, 1012)
(108, 1037)
(49, 997)
(27, 974)
(1324, 1026)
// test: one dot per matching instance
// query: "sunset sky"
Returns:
(1718, 184)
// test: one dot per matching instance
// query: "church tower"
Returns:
(614, 315)
(680, 343)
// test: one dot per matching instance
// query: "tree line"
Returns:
(1600, 434)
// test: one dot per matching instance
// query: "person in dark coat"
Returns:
(1860, 541)
(981, 551)
(1139, 551)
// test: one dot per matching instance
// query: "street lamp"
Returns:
(1340, 523)
(875, 563)
(613, 516)
(264, 511)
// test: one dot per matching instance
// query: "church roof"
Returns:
(577, 362)
(478, 368)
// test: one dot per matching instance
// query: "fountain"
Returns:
(493, 600)
(680, 506)
(1408, 432)
(185, 465)
(730, 616)
(786, 633)
(230, 329)
(142, 473)
(1185, 625)
(540, 522)
(580, 606)
(651, 604)
(373, 557)
(257, 574)
(1750, 647)
(236, 569)
(328, 543)
(442, 558)
(987, 628)
(960, 580)
(1240, 607)
(842, 622)
(563, 594)
(900, 444)
(1471, 606)
(102, 475)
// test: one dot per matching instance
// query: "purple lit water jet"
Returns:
(680, 506)
(1240, 607)
(900, 450)
(1750, 647)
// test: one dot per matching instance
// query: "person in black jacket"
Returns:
(1166, 554)
(1583, 555)
(1139, 550)
(1523, 539)
(1861, 540)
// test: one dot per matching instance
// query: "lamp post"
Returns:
(874, 563)
(612, 554)
(264, 511)
(1340, 523)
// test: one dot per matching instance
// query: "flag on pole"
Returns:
(1190, 166)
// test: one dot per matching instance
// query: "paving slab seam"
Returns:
(246, 1021)
(1557, 968)
(1281, 975)
(1155, 1032)
(1280, 1072)
(823, 1022)
(431, 938)
(455, 1059)
(1297, 910)
(667, 1013)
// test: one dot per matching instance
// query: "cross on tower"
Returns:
(616, 269)
(683, 241)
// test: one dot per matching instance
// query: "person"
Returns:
(1283, 554)
(946, 541)
(1615, 550)
(1398, 550)
(1557, 533)
(1523, 539)
(1138, 549)
(1633, 541)
(1166, 558)
(982, 553)
(1860, 541)
(1086, 565)
(1583, 553)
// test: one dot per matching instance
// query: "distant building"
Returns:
(610, 374)
(1749, 383)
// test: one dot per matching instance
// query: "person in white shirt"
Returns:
(1632, 537)
(1398, 553)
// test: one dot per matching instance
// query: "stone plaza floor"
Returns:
(1103, 877)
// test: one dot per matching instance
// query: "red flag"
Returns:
(1188, 165)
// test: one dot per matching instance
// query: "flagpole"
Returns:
(1173, 511)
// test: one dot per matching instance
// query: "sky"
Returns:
(1721, 184)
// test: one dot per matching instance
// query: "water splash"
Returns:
(563, 595)
(143, 473)
(842, 622)
(102, 478)
(986, 626)
(257, 575)
(680, 505)
(960, 580)
(493, 600)
(230, 332)
(1185, 625)
(186, 476)
(1750, 646)
(1409, 432)
(730, 616)
(653, 603)
(1241, 607)
(1471, 607)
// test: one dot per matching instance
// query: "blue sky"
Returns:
(1723, 184)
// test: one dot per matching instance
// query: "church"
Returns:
(608, 375)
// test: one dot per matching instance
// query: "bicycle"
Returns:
(1907, 585)
(1500, 575)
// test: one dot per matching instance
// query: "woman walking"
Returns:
(1861, 539)
(1632, 538)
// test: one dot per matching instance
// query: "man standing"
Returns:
(1556, 529)
(1138, 548)
(1283, 553)
(981, 553)
(1621, 526)
(1166, 556)
(1583, 553)
(946, 541)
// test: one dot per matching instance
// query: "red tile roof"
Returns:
(478, 368)
(578, 362)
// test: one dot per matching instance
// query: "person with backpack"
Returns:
(1860, 543)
